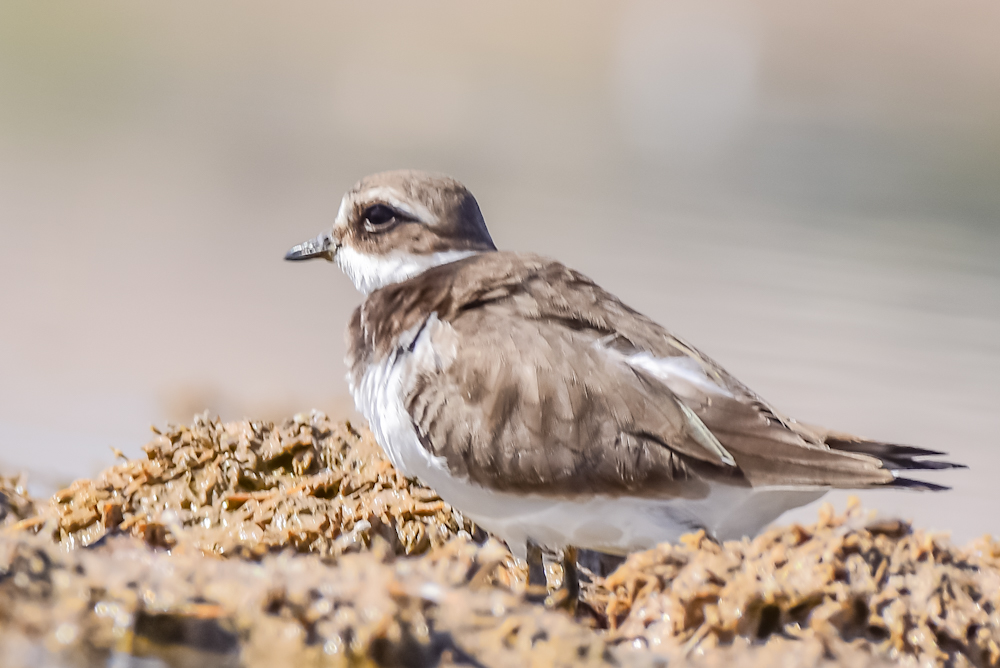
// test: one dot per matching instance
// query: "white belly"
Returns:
(617, 525)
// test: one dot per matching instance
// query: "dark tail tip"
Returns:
(918, 485)
(920, 465)
(896, 457)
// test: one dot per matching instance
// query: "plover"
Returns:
(544, 408)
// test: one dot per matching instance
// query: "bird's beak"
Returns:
(320, 247)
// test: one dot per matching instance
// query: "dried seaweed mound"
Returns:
(99, 606)
(249, 488)
(319, 524)
(847, 582)
(15, 504)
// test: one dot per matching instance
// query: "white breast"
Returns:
(379, 397)
(611, 524)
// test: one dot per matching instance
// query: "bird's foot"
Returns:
(566, 596)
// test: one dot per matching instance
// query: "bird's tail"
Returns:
(893, 457)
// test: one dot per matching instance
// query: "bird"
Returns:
(548, 411)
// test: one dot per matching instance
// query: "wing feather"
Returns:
(553, 386)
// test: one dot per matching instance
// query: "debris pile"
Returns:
(249, 544)
(249, 488)
(845, 583)
(121, 599)
(15, 504)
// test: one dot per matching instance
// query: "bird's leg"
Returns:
(571, 579)
(536, 589)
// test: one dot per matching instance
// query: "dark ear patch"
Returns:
(381, 217)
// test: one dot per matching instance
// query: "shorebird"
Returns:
(544, 408)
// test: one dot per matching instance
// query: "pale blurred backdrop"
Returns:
(810, 192)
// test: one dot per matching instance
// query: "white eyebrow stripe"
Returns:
(391, 196)
(345, 207)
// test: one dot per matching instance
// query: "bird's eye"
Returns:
(379, 218)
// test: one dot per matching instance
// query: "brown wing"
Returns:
(534, 405)
(768, 451)
(539, 394)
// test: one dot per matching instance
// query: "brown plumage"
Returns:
(548, 405)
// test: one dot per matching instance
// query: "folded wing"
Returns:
(545, 380)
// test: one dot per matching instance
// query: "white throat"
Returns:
(371, 272)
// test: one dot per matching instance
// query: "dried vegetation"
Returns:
(248, 488)
(248, 544)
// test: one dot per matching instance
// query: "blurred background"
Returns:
(810, 192)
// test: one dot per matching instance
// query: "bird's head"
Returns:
(392, 226)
